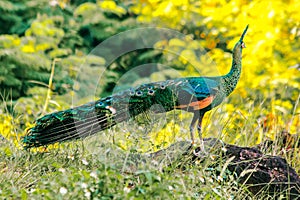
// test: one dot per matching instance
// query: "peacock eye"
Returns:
(150, 87)
(151, 92)
(100, 104)
(131, 92)
(162, 86)
(138, 93)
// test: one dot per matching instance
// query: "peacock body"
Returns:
(193, 94)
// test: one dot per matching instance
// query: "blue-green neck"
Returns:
(231, 79)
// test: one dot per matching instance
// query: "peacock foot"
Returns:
(199, 148)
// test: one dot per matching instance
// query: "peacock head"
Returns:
(240, 44)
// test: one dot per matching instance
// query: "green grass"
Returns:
(95, 169)
(73, 171)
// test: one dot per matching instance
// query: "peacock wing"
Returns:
(197, 93)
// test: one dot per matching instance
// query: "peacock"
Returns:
(192, 94)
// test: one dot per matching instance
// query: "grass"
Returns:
(96, 169)
(73, 171)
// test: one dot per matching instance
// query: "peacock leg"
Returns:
(199, 128)
(192, 126)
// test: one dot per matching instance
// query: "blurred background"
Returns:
(38, 36)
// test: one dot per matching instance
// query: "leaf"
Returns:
(85, 9)
(111, 6)
(177, 42)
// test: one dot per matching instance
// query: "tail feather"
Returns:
(90, 118)
(73, 127)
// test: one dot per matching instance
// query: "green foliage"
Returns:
(57, 33)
